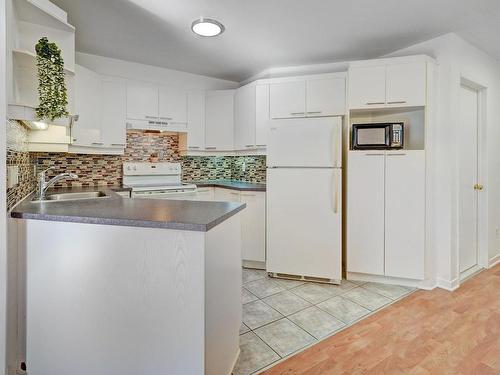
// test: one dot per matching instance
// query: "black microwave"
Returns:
(377, 136)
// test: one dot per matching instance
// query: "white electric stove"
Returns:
(156, 181)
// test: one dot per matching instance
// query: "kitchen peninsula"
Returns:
(129, 286)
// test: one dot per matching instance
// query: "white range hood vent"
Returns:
(26, 116)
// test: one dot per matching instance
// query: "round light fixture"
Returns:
(207, 27)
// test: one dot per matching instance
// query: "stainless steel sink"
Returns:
(73, 196)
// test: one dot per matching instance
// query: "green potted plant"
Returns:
(51, 84)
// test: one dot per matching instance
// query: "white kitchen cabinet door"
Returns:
(261, 115)
(405, 214)
(367, 87)
(113, 113)
(205, 194)
(226, 195)
(172, 105)
(142, 101)
(325, 97)
(219, 120)
(365, 212)
(406, 84)
(244, 118)
(196, 120)
(253, 226)
(86, 131)
(288, 99)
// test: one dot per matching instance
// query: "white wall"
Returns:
(153, 74)
(458, 59)
(3, 208)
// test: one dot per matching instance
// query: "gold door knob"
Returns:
(478, 187)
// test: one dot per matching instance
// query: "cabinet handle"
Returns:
(397, 102)
(403, 154)
(152, 117)
(247, 195)
(97, 143)
(260, 145)
(166, 118)
(211, 148)
(380, 154)
(74, 139)
(314, 112)
(194, 147)
(249, 145)
(117, 144)
(297, 113)
(336, 192)
(234, 193)
(374, 103)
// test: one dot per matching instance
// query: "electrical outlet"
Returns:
(12, 175)
(244, 166)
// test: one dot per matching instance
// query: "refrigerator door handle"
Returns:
(335, 192)
(335, 147)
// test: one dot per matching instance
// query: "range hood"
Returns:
(26, 116)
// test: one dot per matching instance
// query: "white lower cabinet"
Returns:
(253, 221)
(386, 213)
(205, 194)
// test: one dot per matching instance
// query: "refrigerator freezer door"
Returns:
(311, 142)
(304, 222)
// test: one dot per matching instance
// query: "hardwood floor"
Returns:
(428, 332)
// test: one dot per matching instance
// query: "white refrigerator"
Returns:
(304, 198)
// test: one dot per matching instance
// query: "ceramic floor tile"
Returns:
(264, 287)
(257, 313)
(314, 293)
(390, 291)
(370, 300)
(335, 290)
(284, 337)
(246, 296)
(289, 284)
(317, 322)
(254, 355)
(252, 275)
(243, 328)
(357, 282)
(286, 302)
(343, 309)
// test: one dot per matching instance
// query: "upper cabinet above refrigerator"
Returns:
(318, 96)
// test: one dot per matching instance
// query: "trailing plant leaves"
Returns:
(52, 91)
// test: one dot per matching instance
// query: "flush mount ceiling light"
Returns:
(207, 27)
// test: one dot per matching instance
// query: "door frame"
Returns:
(482, 199)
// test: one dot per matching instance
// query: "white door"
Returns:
(196, 120)
(142, 101)
(406, 84)
(325, 97)
(288, 99)
(219, 120)
(405, 214)
(244, 118)
(313, 142)
(367, 87)
(304, 221)
(468, 177)
(86, 131)
(365, 212)
(114, 107)
(253, 226)
(172, 105)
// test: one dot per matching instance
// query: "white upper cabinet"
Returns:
(196, 121)
(288, 99)
(366, 87)
(172, 105)
(219, 120)
(244, 117)
(142, 101)
(86, 131)
(406, 84)
(114, 107)
(325, 97)
(261, 114)
(388, 85)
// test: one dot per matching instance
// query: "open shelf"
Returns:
(44, 13)
(28, 59)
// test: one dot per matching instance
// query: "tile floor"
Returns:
(281, 317)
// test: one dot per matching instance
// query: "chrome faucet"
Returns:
(44, 185)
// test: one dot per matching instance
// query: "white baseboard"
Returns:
(494, 261)
(420, 284)
(450, 285)
(254, 264)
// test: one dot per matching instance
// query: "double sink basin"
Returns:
(58, 197)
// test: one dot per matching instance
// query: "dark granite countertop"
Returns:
(231, 184)
(115, 210)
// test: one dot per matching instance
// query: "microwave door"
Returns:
(372, 137)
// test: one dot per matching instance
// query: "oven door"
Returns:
(371, 136)
(166, 194)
